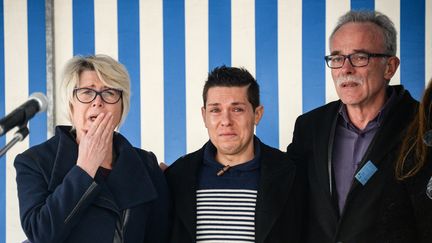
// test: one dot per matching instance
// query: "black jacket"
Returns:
(407, 201)
(60, 202)
(279, 209)
(313, 145)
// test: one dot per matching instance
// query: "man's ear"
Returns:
(259, 112)
(203, 111)
(391, 68)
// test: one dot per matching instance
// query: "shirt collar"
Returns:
(392, 97)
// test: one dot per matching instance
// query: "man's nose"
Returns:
(347, 67)
(226, 118)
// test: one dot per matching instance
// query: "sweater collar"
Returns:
(210, 154)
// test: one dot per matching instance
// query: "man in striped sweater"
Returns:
(235, 188)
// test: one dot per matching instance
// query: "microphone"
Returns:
(37, 102)
(427, 140)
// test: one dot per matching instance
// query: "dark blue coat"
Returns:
(60, 202)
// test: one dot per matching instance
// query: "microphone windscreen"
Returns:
(41, 99)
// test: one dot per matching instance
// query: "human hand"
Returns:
(163, 166)
(95, 146)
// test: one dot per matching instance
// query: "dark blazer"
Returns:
(313, 145)
(279, 210)
(60, 202)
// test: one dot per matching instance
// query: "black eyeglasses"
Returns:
(87, 95)
(359, 59)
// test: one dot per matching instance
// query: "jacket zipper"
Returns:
(84, 196)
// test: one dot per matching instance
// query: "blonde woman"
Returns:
(88, 183)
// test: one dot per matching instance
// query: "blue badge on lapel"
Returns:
(366, 172)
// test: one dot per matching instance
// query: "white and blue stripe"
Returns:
(169, 46)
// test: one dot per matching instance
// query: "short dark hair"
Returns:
(224, 76)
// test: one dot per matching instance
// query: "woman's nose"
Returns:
(97, 102)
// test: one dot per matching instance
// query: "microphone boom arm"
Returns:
(19, 135)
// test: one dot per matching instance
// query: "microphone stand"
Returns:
(19, 135)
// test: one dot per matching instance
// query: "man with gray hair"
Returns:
(349, 146)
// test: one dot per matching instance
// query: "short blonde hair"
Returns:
(112, 74)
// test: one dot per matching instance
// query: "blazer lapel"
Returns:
(388, 136)
(129, 181)
(65, 159)
(323, 149)
(277, 176)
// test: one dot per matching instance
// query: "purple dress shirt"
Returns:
(350, 145)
